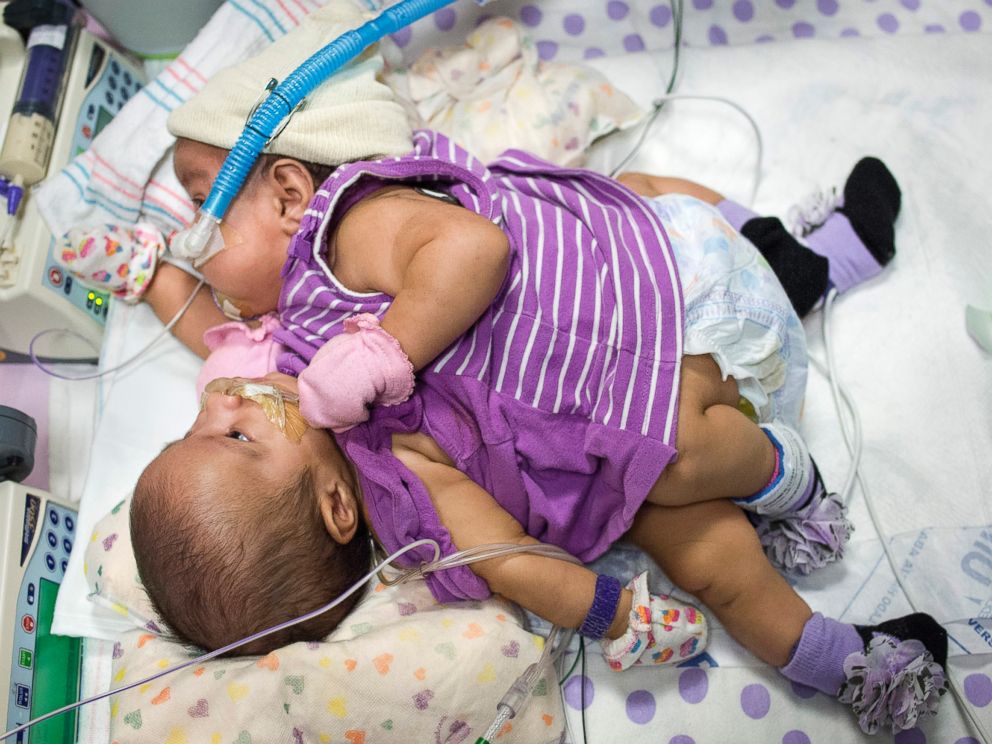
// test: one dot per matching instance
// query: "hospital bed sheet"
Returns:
(922, 386)
(565, 30)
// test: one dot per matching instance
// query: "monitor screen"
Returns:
(103, 118)
(56, 673)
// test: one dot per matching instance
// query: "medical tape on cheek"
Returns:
(281, 408)
(222, 237)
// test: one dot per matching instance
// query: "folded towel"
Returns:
(126, 175)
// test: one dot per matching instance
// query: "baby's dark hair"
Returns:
(319, 173)
(215, 576)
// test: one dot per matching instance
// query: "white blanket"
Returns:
(921, 384)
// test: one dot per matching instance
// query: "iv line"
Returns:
(659, 102)
(161, 334)
(853, 442)
(514, 698)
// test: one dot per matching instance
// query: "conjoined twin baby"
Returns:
(511, 352)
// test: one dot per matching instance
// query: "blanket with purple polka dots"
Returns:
(567, 31)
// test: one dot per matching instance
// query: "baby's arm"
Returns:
(442, 264)
(556, 590)
(168, 291)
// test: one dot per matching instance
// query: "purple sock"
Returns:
(850, 260)
(858, 239)
(735, 214)
(818, 659)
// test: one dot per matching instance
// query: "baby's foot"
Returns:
(661, 630)
(871, 202)
(811, 536)
(855, 231)
(815, 209)
(899, 677)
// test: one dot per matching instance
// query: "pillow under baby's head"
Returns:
(224, 553)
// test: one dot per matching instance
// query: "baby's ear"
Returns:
(294, 188)
(339, 510)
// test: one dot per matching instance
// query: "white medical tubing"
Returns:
(514, 698)
(853, 442)
(691, 97)
(162, 334)
(231, 646)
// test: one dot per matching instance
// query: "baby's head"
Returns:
(237, 527)
(258, 225)
(352, 116)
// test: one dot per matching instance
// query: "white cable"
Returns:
(162, 334)
(854, 441)
(688, 96)
(231, 646)
(558, 639)
(854, 449)
(520, 691)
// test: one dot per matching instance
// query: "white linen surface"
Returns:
(922, 386)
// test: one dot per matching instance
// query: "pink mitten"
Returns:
(119, 259)
(361, 367)
(239, 350)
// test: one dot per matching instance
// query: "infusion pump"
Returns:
(42, 670)
(36, 294)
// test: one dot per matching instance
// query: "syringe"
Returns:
(27, 146)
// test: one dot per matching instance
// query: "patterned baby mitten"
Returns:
(362, 366)
(661, 630)
(119, 259)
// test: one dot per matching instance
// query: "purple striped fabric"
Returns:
(586, 333)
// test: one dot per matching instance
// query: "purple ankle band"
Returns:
(604, 608)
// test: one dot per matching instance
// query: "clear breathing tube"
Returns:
(511, 703)
(203, 238)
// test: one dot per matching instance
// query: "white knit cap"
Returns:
(351, 116)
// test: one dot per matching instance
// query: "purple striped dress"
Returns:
(562, 400)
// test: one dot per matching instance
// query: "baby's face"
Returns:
(248, 269)
(233, 441)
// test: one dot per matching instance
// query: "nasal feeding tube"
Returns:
(202, 240)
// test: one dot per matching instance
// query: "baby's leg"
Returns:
(712, 551)
(892, 674)
(721, 453)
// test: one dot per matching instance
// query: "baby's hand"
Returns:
(362, 367)
(119, 259)
(240, 349)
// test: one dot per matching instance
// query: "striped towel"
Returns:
(126, 175)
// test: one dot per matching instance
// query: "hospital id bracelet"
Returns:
(604, 608)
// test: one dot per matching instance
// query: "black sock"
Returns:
(803, 273)
(919, 625)
(871, 202)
